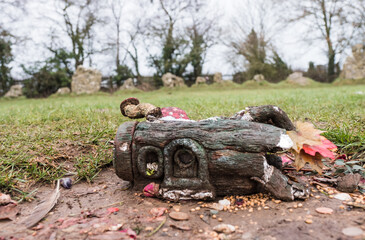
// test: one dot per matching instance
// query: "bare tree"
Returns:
(79, 18)
(252, 39)
(164, 28)
(357, 16)
(117, 10)
(203, 33)
(328, 21)
(259, 17)
(132, 47)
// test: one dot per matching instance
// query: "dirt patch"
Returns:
(82, 213)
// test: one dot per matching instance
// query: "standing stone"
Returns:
(170, 80)
(86, 80)
(63, 91)
(128, 84)
(217, 77)
(200, 80)
(259, 78)
(15, 91)
(297, 78)
(354, 66)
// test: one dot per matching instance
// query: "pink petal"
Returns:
(285, 159)
(151, 190)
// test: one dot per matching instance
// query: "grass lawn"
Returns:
(43, 139)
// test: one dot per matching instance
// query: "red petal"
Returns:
(113, 209)
(312, 150)
(328, 144)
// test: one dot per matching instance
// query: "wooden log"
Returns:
(240, 136)
(251, 166)
(200, 160)
(122, 161)
(266, 114)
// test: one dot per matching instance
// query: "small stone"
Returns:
(309, 221)
(295, 206)
(149, 229)
(165, 230)
(290, 210)
(224, 228)
(266, 208)
(317, 197)
(250, 210)
(179, 216)
(192, 210)
(348, 183)
(300, 205)
(342, 207)
(201, 216)
(213, 234)
(220, 220)
(66, 183)
(343, 196)
(324, 210)
(352, 231)
(197, 208)
(216, 206)
(214, 216)
(213, 212)
(331, 196)
(176, 208)
(200, 231)
(224, 203)
(116, 227)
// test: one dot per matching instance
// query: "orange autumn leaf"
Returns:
(309, 146)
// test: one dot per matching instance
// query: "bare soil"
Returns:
(81, 213)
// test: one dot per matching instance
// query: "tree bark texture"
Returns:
(202, 159)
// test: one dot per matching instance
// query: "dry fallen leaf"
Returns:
(314, 161)
(305, 134)
(41, 210)
(9, 211)
(310, 147)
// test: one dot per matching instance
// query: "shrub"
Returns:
(44, 82)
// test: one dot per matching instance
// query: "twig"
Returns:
(318, 183)
(109, 205)
(293, 169)
(325, 180)
(158, 228)
(356, 205)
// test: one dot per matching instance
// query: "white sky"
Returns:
(36, 26)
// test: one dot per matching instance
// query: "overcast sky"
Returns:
(35, 24)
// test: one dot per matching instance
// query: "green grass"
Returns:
(43, 139)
